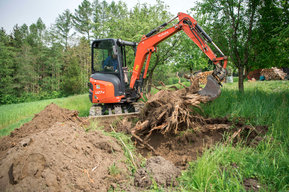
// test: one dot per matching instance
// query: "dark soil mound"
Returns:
(61, 156)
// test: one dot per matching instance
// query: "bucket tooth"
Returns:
(212, 88)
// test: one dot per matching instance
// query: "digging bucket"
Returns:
(212, 88)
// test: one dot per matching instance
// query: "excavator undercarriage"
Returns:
(115, 110)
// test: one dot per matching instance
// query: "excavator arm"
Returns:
(189, 25)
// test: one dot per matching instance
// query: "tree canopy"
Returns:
(251, 32)
(39, 62)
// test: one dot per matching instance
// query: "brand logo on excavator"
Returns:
(162, 34)
(99, 92)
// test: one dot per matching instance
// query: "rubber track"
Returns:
(115, 115)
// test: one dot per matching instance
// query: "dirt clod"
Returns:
(157, 169)
(251, 184)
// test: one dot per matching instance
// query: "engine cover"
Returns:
(105, 88)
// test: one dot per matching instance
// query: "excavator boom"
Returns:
(113, 93)
(189, 25)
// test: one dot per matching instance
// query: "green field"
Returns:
(224, 167)
(14, 115)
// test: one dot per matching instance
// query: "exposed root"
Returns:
(173, 110)
(170, 111)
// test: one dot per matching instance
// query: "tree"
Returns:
(82, 19)
(271, 42)
(115, 13)
(27, 75)
(237, 20)
(106, 18)
(54, 62)
(63, 26)
(19, 35)
(72, 77)
(82, 52)
(36, 33)
(189, 57)
(6, 67)
(140, 21)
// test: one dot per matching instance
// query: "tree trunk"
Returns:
(241, 78)
(150, 74)
(149, 83)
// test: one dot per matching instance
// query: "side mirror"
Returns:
(114, 50)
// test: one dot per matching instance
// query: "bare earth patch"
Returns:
(157, 169)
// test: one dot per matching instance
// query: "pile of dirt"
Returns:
(54, 153)
(41, 121)
(254, 74)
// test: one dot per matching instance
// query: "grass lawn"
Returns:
(14, 115)
(223, 167)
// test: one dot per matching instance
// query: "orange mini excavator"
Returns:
(112, 92)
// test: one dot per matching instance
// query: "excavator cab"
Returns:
(109, 79)
(106, 78)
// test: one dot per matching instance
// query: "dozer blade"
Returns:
(212, 88)
(115, 110)
(134, 114)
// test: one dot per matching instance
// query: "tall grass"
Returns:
(262, 103)
(14, 115)
(224, 168)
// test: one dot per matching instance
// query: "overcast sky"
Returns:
(14, 12)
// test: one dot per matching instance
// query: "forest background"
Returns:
(37, 62)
